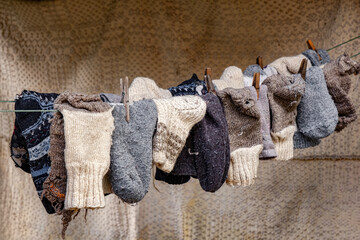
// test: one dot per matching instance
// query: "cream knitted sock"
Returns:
(87, 157)
(289, 65)
(176, 116)
(146, 88)
(232, 77)
(284, 143)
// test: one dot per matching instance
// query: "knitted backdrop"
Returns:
(86, 46)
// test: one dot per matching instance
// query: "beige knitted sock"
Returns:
(284, 144)
(87, 157)
(176, 116)
(232, 77)
(146, 88)
(289, 65)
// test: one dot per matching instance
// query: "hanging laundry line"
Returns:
(343, 43)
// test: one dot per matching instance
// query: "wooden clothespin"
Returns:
(125, 93)
(256, 83)
(209, 84)
(312, 47)
(259, 61)
(302, 69)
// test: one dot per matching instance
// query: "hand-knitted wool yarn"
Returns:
(232, 77)
(314, 58)
(284, 93)
(268, 145)
(206, 155)
(146, 88)
(131, 151)
(317, 115)
(35, 128)
(264, 73)
(193, 86)
(18, 149)
(176, 116)
(244, 124)
(302, 141)
(289, 65)
(111, 98)
(87, 156)
(339, 82)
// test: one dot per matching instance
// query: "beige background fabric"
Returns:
(87, 45)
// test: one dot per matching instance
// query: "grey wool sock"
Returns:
(264, 73)
(302, 141)
(314, 58)
(111, 98)
(317, 115)
(131, 150)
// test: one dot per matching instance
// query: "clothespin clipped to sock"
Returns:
(125, 93)
(312, 47)
(256, 83)
(209, 84)
(259, 61)
(302, 69)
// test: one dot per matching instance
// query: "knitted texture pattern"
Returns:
(314, 58)
(284, 93)
(35, 128)
(317, 115)
(339, 82)
(232, 77)
(87, 157)
(264, 73)
(193, 86)
(268, 145)
(131, 151)
(176, 116)
(18, 149)
(146, 88)
(206, 155)
(289, 65)
(111, 98)
(244, 124)
(302, 141)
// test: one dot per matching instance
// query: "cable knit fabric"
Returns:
(244, 124)
(146, 88)
(35, 128)
(131, 151)
(264, 73)
(289, 65)
(232, 77)
(18, 149)
(176, 116)
(268, 145)
(284, 93)
(339, 82)
(317, 115)
(206, 155)
(87, 157)
(193, 86)
(314, 58)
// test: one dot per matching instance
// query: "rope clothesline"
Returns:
(343, 44)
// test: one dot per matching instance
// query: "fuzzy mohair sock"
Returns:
(18, 149)
(35, 128)
(232, 77)
(264, 73)
(131, 151)
(337, 76)
(146, 88)
(317, 115)
(206, 155)
(284, 93)
(193, 86)
(314, 58)
(289, 65)
(268, 145)
(111, 98)
(244, 124)
(87, 156)
(176, 116)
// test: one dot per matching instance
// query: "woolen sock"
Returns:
(314, 58)
(176, 116)
(264, 73)
(337, 76)
(111, 98)
(232, 77)
(35, 128)
(87, 156)
(289, 65)
(131, 151)
(302, 141)
(284, 93)
(18, 149)
(317, 115)
(206, 155)
(193, 86)
(244, 124)
(268, 150)
(146, 88)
